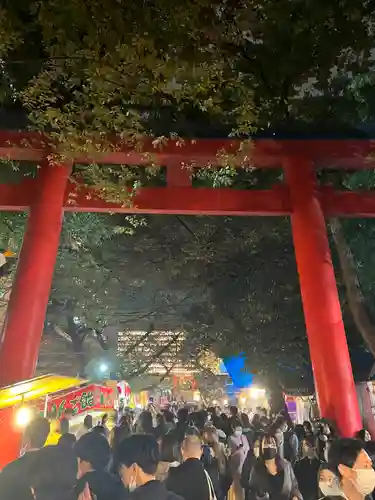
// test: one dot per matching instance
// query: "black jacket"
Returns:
(102, 484)
(306, 472)
(153, 490)
(189, 480)
(261, 483)
(247, 467)
(15, 479)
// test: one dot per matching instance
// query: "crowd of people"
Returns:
(183, 455)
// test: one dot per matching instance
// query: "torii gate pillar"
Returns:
(32, 284)
(329, 352)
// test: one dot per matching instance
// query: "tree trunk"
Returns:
(354, 294)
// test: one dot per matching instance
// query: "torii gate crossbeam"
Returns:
(300, 198)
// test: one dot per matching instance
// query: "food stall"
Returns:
(49, 395)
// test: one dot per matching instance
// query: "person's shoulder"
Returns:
(20, 463)
(285, 464)
(9, 468)
(177, 471)
(173, 496)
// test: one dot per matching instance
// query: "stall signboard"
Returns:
(92, 397)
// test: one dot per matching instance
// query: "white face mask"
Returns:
(132, 485)
(237, 432)
(365, 482)
(330, 490)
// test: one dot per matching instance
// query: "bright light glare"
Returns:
(214, 402)
(20, 389)
(243, 400)
(23, 416)
(225, 402)
(196, 397)
(256, 393)
(103, 367)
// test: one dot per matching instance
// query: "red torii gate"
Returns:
(50, 194)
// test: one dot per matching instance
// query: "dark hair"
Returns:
(104, 418)
(310, 440)
(361, 435)
(145, 422)
(64, 426)
(256, 419)
(182, 415)
(94, 449)
(99, 429)
(233, 411)
(160, 419)
(67, 440)
(245, 421)
(236, 423)
(192, 431)
(344, 452)
(37, 432)
(169, 449)
(198, 419)
(331, 426)
(278, 423)
(87, 422)
(308, 425)
(370, 449)
(139, 449)
(53, 473)
(120, 432)
(300, 432)
(169, 417)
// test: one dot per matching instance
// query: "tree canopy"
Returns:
(87, 69)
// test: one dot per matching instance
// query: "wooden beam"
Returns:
(354, 204)
(261, 153)
(195, 201)
(190, 201)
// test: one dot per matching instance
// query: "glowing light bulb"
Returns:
(23, 416)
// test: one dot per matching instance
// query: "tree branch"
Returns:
(355, 296)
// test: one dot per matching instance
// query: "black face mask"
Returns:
(269, 453)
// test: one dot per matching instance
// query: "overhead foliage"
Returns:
(84, 70)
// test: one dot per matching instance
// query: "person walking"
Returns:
(272, 477)
(215, 461)
(15, 478)
(353, 467)
(169, 456)
(238, 448)
(138, 458)
(53, 474)
(93, 453)
(307, 469)
(277, 430)
(190, 480)
(85, 427)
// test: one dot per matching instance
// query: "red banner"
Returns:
(92, 397)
